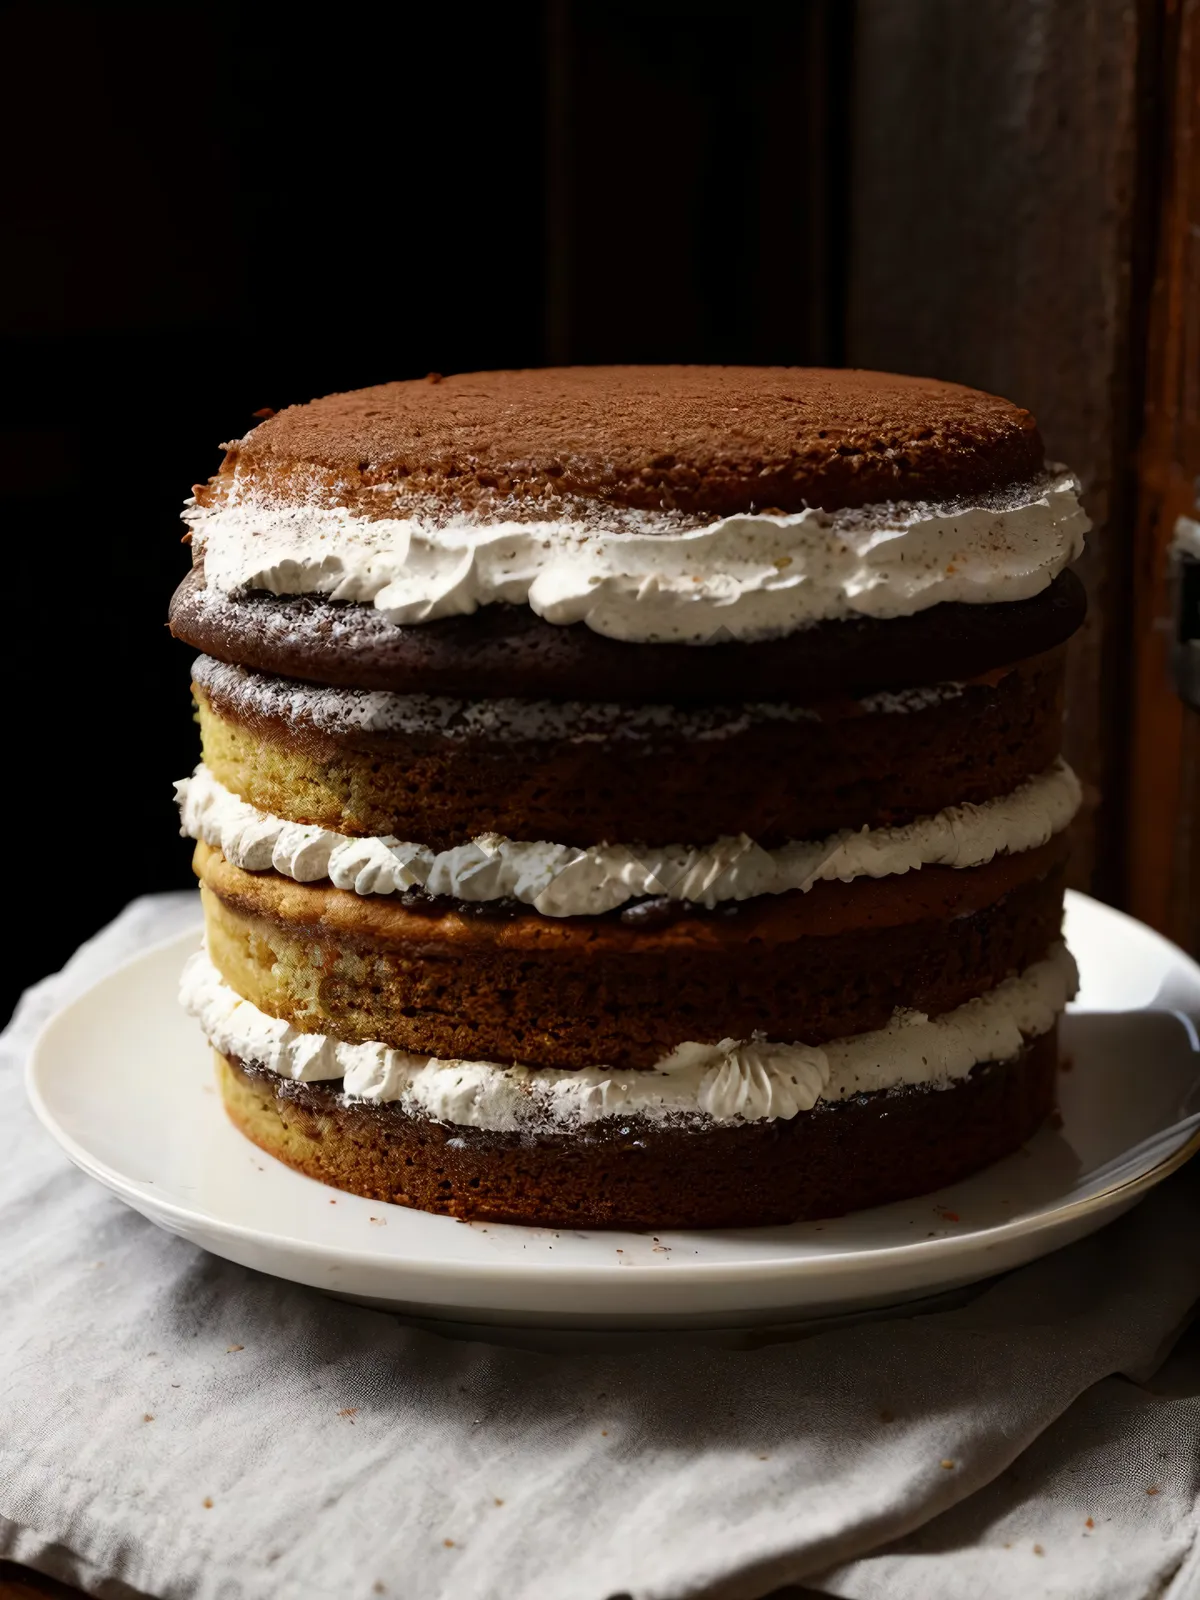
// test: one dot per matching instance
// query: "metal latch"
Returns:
(1185, 633)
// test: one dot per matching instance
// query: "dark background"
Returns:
(211, 208)
(214, 213)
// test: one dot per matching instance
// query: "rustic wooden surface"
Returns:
(996, 231)
(1164, 768)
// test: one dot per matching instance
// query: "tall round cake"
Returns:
(632, 796)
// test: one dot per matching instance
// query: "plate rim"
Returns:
(758, 1272)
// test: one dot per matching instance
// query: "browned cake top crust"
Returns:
(709, 441)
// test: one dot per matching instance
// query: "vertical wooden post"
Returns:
(1164, 767)
(996, 227)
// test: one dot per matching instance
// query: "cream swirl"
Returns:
(563, 881)
(734, 1080)
(748, 576)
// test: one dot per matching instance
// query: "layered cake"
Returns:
(633, 796)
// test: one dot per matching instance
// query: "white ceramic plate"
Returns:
(123, 1081)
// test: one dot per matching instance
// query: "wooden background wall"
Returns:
(1027, 177)
(1163, 821)
(996, 215)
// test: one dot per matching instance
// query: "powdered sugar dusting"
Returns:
(339, 710)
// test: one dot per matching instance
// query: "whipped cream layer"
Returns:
(749, 576)
(565, 881)
(736, 1080)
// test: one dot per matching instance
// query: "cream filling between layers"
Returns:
(564, 881)
(743, 577)
(747, 1080)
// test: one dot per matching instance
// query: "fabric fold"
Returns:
(184, 1427)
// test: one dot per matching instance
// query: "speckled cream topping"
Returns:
(732, 1081)
(751, 575)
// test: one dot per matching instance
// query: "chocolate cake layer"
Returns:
(504, 650)
(839, 1157)
(572, 992)
(705, 441)
(774, 779)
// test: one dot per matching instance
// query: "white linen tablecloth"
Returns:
(174, 1425)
